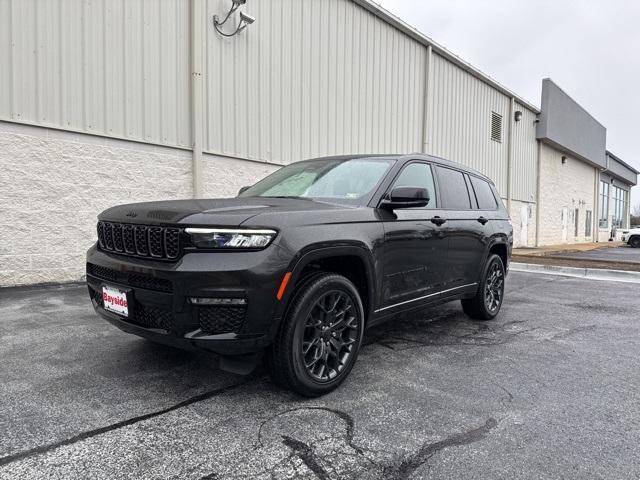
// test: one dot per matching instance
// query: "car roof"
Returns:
(405, 158)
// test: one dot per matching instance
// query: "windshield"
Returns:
(342, 181)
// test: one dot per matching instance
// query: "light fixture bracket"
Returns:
(245, 19)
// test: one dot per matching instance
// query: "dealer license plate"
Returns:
(115, 300)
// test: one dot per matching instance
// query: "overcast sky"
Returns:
(590, 48)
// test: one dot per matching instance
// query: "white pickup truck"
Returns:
(632, 237)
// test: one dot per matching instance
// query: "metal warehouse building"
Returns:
(111, 101)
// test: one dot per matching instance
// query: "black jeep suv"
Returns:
(300, 264)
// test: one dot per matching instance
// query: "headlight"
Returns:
(227, 238)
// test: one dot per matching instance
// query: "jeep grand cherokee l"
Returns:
(301, 263)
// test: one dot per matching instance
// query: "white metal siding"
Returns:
(525, 156)
(312, 78)
(459, 120)
(110, 67)
(309, 78)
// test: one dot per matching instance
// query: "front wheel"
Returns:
(635, 242)
(319, 339)
(488, 300)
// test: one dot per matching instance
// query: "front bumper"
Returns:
(159, 294)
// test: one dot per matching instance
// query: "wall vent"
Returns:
(496, 127)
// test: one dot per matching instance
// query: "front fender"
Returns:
(323, 250)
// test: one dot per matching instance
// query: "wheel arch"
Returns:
(354, 261)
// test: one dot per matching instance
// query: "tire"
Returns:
(635, 242)
(488, 299)
(320, 336)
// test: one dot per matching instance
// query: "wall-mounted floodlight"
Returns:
(245, 19)
(517, 116)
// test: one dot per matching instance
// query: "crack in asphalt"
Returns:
(307, 455)
(402, 469)
(344, 416)
(408, 466)
(41, 449)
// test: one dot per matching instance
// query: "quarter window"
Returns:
(484, 194)
(453, 189)
(418, 175)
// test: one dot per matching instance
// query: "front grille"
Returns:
(221, 319)
(139, 240)
(136, 280)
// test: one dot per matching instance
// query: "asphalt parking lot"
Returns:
(624, 254)
(551, 389)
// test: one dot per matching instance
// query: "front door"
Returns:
(415, 249)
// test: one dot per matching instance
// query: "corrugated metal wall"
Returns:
(309, 78)
(459, 121)
(525, 156)
(313, 78)
(110, 67)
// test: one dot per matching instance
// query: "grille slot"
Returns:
(108, 236)
(221, 319)
(117, 237)
(172, 242)
(161, 243)
(155, 242)
(135, 280)
(127, 239)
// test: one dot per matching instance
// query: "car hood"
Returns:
(231, 212)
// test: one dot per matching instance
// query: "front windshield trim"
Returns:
(370, 185)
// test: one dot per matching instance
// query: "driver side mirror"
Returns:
(406, 197)
(243, 189)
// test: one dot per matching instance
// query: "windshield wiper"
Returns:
(288, 196)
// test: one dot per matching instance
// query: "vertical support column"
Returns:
(538, 193)
(197, 49)
(427, 100)
(512, 111)
(595, 236)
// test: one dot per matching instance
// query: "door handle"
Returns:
(483, 220)
(438, 220)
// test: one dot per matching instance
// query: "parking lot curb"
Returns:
(590, 273)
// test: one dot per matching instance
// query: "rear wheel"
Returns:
(635, 242)
(320, 336)
(488, 300)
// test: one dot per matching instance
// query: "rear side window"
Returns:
(484, 194)
(453, 189)
(418, 175)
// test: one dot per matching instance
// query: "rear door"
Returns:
(415, 248)
(467, 230)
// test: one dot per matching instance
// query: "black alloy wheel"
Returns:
(486, 303)
(494, 287)
(319, 338)
(331, 331)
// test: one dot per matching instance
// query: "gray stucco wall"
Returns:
(621, 171)
(569, 127)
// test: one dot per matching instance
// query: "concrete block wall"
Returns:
(567, 186)
(54, 183)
